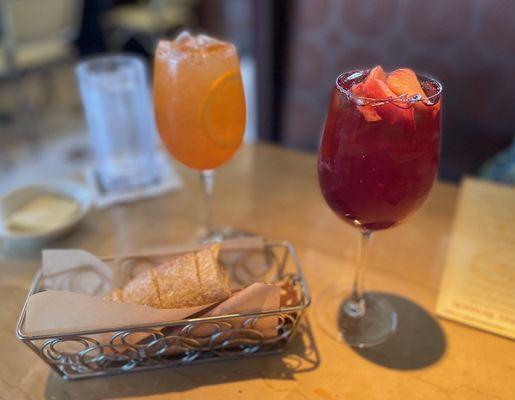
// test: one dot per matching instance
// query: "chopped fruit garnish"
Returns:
(404, 81)
(377, 73)
(375, 87)
(368, 112)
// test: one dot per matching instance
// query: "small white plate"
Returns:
(12, 201)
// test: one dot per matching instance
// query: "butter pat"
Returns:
(43, 212)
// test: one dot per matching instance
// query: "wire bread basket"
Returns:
(101, 352)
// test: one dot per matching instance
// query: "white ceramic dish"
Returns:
(12, 201)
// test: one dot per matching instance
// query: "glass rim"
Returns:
(163, 51)
(430, 100)
(85, 64)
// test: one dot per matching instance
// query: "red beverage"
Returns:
(379, 155)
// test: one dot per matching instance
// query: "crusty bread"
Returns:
(188, 280)
(142, 290)
(178, 282)
(116, 296)
(213, 282)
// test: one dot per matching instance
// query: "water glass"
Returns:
(118, 110)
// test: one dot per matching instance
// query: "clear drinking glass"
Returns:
(377, 161)
(118, 110)
(200, 108)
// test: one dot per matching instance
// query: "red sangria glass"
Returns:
(377, 161)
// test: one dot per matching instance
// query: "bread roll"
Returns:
(178, 282)
(142, 290)
(116, 296)
(189, 280)
(213, 282)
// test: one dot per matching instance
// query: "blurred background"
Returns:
(291, 52)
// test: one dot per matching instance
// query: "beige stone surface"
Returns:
(274, 192)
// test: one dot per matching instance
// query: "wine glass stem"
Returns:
(208, 183)
(356, 306)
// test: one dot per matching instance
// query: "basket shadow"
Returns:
(417, 343)
(301, 356)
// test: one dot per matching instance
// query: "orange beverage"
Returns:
(199, 101)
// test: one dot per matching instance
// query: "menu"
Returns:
(478, 286)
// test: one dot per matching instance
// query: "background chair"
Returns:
(147, 21)
(36, 36)
(37, 33)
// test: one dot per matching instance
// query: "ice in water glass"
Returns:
(119, 114)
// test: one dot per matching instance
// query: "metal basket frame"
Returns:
(172, 343)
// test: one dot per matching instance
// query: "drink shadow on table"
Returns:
(301, 356)
(418, 341)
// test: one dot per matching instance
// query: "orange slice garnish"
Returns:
(223, 110)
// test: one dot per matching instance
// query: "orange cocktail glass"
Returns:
(200, 105)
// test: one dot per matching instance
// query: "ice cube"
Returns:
(206, 41)
(164, 49)
(185, 39)
(210, 46)
(193, 47)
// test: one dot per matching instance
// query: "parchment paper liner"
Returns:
(74, 277)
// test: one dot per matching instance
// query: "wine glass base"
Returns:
(359, 325)
(221, 234)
